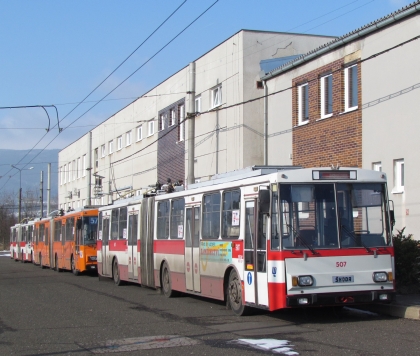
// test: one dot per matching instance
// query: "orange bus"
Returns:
(73, 241)
(42, 245)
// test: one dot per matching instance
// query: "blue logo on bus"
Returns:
(249, 278)
(274, 271)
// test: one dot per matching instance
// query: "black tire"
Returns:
(116, 273)
(21, 258)
(40, 262)
(73, 267)
(57, 269)
(32, 257)
(166, 282)
(234, 295)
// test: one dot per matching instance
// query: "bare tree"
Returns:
(8, 218)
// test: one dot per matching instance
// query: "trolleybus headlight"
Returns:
(305, 281)
(380, 276)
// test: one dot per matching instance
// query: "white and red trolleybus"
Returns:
(26, 241)
(262, 237)
(15, 232)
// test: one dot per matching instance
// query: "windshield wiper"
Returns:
(353, 236)
(302, 240)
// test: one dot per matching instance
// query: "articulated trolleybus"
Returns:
(21, 241)
(263, 237)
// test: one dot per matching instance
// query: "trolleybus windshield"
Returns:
(345, 215)
(362, 215)
(90, 228)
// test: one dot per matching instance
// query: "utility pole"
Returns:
(41, 198)
(20, 189)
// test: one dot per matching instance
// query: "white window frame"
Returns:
(377, 166)
(127, 138)
(111, 147)
(162, 122)
(150, 128)
(216, 96)
(69, 171)
(172, 117)
(79, 167)
(139, 133)
(347, 79)
(198, 104)
(181, 109)
(84, 166)
(73, 168)
(301, 119)
(103, 151)
(119, 143)
(61, 175)
(326, 85)
(399, 176)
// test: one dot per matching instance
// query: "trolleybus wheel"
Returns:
(234, 294)
(73, 267)
(166, 282)
(116, 273)
(57, 269)
(40, 261)
(21, 258)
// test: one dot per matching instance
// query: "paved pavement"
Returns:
(405, 306)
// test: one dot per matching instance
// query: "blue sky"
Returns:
(57, 51)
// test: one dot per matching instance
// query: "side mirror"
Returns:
(264, 198)
(392, 216)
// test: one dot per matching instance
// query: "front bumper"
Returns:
(348, 298)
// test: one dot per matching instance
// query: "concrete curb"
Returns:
(398, 310)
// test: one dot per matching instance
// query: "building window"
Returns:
(198, 104)
(161, 123)
(398, 176)
(350, 88)
(73, 168)
(377, 166)
(181, 135)
(139, 133)
(303, 104)
(79, 167)
(172, 119)
(119, 143)
(64, 173)
(326, 96)
(61, 175)
(128, 138)
(111, 146)
(216, 95)
(103, 151)
(151, 126)
(96, 158)
(69, 170)
(84, 166)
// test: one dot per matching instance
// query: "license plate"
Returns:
(343, 279)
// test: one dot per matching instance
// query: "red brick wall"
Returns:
(335, 140)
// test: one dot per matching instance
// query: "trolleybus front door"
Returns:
(192, 249)
(106, 270)
(133, 220)
(255, 274)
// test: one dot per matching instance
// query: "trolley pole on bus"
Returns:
(20, 188)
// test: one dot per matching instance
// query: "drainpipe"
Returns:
(89, 170)
(191, 125)
(265, 123)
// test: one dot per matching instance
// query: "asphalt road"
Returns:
(43, 312)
